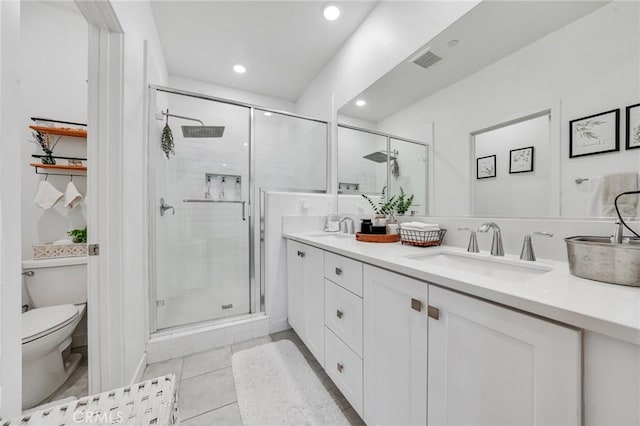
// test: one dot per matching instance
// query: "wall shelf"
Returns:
(60, 131)
(58, 169)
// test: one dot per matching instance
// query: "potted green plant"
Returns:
(383, 207)
(78, 236)
(403, 203)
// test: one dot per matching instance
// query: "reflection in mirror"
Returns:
(369, 161)
(520, 182)
(575, 58)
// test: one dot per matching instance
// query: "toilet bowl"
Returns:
(46, 333)
(58, 295)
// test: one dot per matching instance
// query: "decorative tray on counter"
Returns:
(48, 251)
(377, 238)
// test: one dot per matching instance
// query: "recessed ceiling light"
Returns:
(330, 12)
(361, 102)
(268, 114)
(224, 164)
(453, 43)
(246, 144)
(240, 69)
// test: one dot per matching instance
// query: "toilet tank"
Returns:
(56, 281)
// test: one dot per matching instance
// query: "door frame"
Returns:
(105, 218)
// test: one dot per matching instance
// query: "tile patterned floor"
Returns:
(77, 385)
(207, 390)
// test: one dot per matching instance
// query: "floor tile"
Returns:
(77, 385)
(206, 362)
(229, 415)
(172, 366)
(206, 392)
(247, 344)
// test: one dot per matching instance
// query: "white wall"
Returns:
(10, 242)
(143, 64)
(56, 89)
(558, 69)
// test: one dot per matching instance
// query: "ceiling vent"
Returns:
(427, 59)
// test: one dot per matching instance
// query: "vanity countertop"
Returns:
(608, 309)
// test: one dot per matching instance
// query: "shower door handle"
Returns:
(244, 217)
(164, 207)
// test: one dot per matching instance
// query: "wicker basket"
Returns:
(48, 251)
(153, 402)
(422, 238)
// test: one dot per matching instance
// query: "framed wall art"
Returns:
(486, 167)
(633, 127)
(521, 160)
(595, 134)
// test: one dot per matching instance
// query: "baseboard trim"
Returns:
(277, 326)
(140, 369)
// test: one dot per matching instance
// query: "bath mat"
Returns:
(276, 386)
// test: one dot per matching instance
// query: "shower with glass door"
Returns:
(208, 161)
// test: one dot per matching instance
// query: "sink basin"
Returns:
(331, 234)
(503, 269)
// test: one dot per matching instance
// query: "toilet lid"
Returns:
(39, 322)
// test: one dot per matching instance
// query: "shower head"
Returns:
(202, 131)
(379, 156)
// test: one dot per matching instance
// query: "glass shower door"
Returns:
(201, 244)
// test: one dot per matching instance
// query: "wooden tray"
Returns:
(377, 238)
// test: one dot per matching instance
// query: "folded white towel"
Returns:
(47, 195)
(63, 241)
(614, 185)
(71, 196)
(420, 226)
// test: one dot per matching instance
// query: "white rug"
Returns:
(276, 386)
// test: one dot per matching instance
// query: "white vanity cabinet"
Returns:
(305, 295)
(492, 365)
(395, 348)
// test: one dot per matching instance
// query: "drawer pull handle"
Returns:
(301, 253)
(433, 312)
(340, 367)
(338, 271)
(416, 305)
(339, 314)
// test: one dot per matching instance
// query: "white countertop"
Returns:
(610, 309)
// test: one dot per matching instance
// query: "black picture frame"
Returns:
(488, 172)
(633, 120)
(530, 149)
(586, 136)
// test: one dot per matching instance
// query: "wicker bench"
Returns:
(152, 402)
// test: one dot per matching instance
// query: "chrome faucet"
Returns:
(347, 228)
(527, 248)
(496, 243)
(472, 247)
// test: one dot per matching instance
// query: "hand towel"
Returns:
(612, 186)
(71, 196)
(419, 226)
(47, 195)
(594, 196)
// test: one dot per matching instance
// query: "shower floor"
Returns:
(198, 305)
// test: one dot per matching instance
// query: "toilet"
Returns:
(57, 289)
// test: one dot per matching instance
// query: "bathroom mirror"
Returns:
(563, 60)
(370, 161)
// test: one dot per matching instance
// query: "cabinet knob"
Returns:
(433, 312)
(338, 271)
(339, 313)
(340, 367)
(301, 253)
(416, 305)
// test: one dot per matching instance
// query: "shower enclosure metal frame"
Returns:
(389, 136)
(256, 294)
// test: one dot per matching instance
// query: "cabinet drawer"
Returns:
(343, 315)
(344, 367)
(344, 272)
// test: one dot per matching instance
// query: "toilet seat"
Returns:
(40, 322)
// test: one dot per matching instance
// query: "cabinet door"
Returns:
(489, 365)
(313, 300)
(295, 286)
(395, 348)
